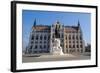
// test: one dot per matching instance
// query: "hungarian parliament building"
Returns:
(42, 37)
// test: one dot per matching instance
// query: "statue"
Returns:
(57, 49)
(57, 28)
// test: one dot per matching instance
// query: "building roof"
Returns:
(41, 27)
(47, 27)
(71, 28)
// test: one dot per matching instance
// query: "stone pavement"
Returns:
(44, 58)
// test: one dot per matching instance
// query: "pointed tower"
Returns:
(78, 24)
(34, 23)
(79, 27)
(33, 26)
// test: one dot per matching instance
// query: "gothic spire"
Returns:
(34, 22)
(79, 28)
(78, 24)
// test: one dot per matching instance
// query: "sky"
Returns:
(50, 17)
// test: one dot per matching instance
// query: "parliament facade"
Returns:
(42, 37)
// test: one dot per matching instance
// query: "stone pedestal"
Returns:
(56, 49)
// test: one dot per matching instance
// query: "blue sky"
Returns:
(50, 17)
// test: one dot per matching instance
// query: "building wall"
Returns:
(70, 42)
(39, 42)
(73, 42)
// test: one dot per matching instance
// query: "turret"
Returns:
(78, 24)
(34, 23)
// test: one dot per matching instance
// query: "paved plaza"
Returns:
(43, 58)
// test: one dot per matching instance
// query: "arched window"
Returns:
(48, 37)
(62, 36)
(77, 46)
(44, 41)
(53, 36)
(45, 37)
(31, 42)
(44, 46)
(73, 37)
(31, 47)
(41, 37)
(69, 46)
(73, 46)
(40, 46)
(37, 37)
(77, 41)
(81, 42)
(69, 41)
(66, 46)
(81, 46)
(40, 41)
(69, 37)
(66, 37)
(48, 46)
(80, 37)
(77, 37)
(36, 47)
(32, 37)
